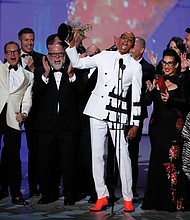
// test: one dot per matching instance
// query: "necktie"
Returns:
(13, 67)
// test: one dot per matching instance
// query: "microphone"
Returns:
(120, 62)
(121, 65)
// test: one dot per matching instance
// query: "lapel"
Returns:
(6, 78)
(64, 75)
(52, 80)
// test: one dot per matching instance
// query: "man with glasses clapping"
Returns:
(57, 123)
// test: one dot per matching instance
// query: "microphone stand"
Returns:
(118, 122)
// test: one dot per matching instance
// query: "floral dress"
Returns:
(165, 185)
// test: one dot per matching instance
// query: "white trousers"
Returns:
(99, 131)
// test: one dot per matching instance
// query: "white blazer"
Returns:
(99, 103)
(17, 101)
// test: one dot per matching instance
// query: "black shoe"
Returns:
(34, 193)
(3, 194)
(19, 201)
(69, 201)
(46, 200)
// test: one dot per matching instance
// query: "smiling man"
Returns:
(30, 60)
(15, 103)
(57, 88)
(107, 109)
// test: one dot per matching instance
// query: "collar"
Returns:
(23, 54)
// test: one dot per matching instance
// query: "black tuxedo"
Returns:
(57, 132)
(37, 57)
(31, 136)
(148, 71)
(86, 184)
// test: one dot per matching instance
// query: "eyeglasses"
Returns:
(125, 37)
(60, 54)
(170, 63)
(15, 52)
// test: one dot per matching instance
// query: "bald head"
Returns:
(92, 50)
(130, 34)
(126, 42)
(139, 48)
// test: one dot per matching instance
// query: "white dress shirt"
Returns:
(16, 78)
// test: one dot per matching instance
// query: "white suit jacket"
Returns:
(18, 101)
(102, 103)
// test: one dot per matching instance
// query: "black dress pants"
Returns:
(57, 156)
(134, 156)
(32, 144)
(12, 145)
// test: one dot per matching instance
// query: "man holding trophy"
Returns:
(107, 109)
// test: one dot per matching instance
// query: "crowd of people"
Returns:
(76, 104)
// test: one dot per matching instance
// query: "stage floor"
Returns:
(56, 210)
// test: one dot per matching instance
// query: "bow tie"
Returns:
(13, 67)
(25, 55)
(59, 70)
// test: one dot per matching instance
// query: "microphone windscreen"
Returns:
(123, 66)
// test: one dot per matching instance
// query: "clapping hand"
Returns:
(46, 67)
(70, 71)
(150, 85)
(153, 60)
(30, 63)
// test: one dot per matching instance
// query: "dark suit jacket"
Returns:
(37, 57)
(48, 96)
(148, 71)
(89, 84)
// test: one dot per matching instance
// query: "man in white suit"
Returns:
(107, 109)
(15, 103)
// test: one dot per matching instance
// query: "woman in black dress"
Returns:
(164, 190)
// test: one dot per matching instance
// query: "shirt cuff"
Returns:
(73, 78)
(46, 80)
